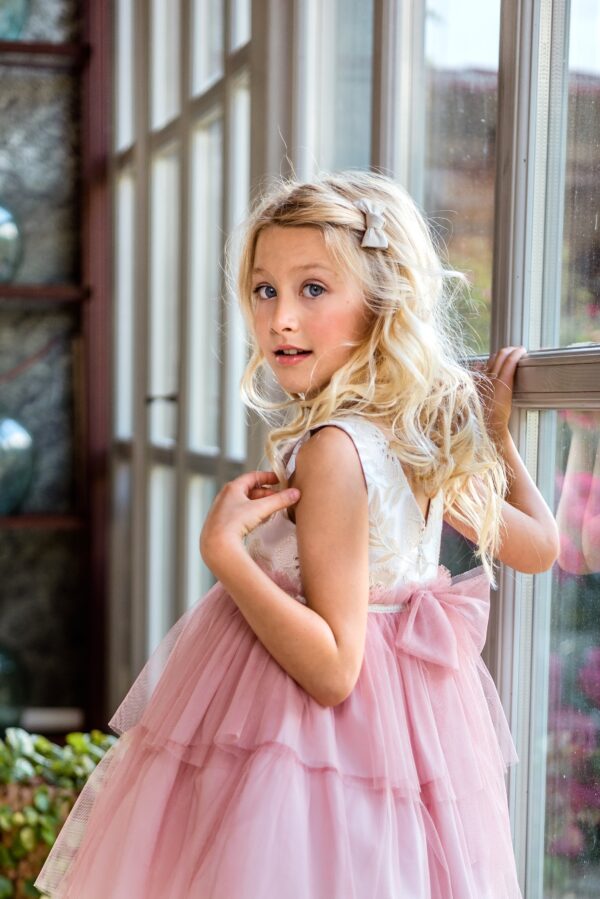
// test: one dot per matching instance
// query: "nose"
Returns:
(284, 313)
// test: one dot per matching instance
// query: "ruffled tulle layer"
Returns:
(230, 782)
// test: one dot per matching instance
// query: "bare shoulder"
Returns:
(330, 449)
(332, 530)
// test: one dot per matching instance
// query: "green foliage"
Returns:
(39, 783)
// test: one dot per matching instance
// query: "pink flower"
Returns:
(570, 842)
(555, 681)
(584, 796)
(588, 677)
(575, 727)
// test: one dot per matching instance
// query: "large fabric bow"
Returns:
(445, 616)
(374, 235)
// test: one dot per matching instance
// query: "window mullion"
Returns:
(518, 128)
(183, 391)
(308, 58)
(140, 455)
(548, 317)
(398, 106)
(273, 98)
(509, 626)
(386, 87)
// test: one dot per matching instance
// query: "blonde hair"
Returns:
(407, 370)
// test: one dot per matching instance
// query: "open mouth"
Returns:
(286, 360)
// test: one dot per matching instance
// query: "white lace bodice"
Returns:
(402, 546)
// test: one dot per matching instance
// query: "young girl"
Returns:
(320, 725)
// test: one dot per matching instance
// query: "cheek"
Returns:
(260, 326)
(339, 326)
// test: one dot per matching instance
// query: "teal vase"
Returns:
(14, 687)
(11, 246)
(13, 15)
(16, 464)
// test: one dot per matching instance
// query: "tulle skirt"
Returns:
(229, 781)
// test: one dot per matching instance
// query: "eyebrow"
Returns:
(298, 268)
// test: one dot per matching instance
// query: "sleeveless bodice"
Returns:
(403, 547)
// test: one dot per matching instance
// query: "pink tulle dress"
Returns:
(229, 781)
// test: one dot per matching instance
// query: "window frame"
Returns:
(283, 91)
(129, 609)
(556, 378)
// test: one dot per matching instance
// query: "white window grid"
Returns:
(280, 61)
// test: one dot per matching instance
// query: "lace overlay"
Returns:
(402, 545)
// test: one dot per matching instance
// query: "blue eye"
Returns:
(318, 286)
(257, 290)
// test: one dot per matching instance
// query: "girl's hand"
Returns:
(496, 394)
(239, 507)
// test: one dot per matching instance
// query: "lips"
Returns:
(298, 352)
(286, 360)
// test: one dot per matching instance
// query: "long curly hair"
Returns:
(409, 371)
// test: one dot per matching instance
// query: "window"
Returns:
(488, 115)
(456, 180)
(181, 174)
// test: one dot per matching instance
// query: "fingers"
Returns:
(259, 492)
(497, 360)
(256, 480)
(286, 497)
(256, 485)
(505, 365)
(262, 509)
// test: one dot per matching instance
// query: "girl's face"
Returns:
(302, 300)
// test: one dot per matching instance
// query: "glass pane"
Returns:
(123, 322)
(43, 614)
(39, 171)
(205, 304)
(457, 553)
(574, 192)
(239, 192)
(201, 493)
(38, 386)
(207, 43)
(161, 555)
(125, 56)
(120, 592)
(55, 21)
(572, 825)
(165, 60)
(461, 58)
(241, 22)
(164, 294)
(344, 83)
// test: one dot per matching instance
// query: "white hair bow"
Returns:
(373, 236)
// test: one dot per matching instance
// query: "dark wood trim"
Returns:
(44, 293)
(96, 124)
(42, 54)
(42, 522)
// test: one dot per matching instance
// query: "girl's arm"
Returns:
(321, 644)
(529, 533)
